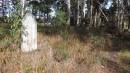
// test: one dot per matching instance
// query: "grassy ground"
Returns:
(66, 50)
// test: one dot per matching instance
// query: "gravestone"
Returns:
(29, 33)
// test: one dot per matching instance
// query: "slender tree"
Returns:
(69, 11)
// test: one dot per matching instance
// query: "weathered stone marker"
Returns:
(29, 33)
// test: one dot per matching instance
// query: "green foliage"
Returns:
(43, 6)
(15, 20)
(60, 19)
(15, 25)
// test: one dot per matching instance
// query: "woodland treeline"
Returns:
(109, 14)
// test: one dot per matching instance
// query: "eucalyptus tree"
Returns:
(23, 5)
(68, 2)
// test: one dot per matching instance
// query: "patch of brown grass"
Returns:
(57, 55)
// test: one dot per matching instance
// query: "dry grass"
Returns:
(58, 54)
(55, 55)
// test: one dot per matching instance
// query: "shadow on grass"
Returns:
(118, 44)
(64, 31)
(82, 33)
(117, 68)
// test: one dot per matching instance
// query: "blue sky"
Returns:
(8, 8)
(109, 4)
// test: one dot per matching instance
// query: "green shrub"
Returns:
(15, 20)
(60, 18)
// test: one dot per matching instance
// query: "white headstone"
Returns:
(29, 33)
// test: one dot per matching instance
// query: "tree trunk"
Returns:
(78, 12)
(85, 8)
(91, 13)
(69, 11)
(23, 5)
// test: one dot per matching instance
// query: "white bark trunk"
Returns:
(85, 8)
(69, 10)
(22, 4)
(78, 12)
